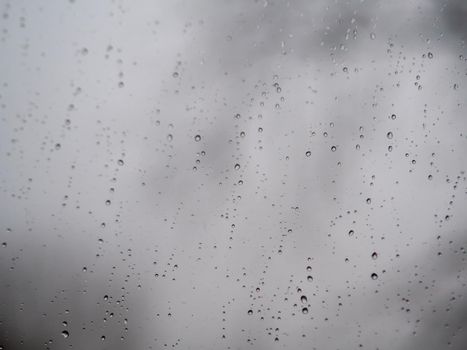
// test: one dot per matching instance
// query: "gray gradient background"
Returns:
(188, 243)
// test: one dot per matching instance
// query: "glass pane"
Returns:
(252, 174)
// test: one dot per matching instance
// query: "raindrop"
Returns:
(374, 276)
(303, 299)
(250, 312)
(333, 148)
(169, 137)
(374, 256)
(430, 55)
(309, 279)
(389, 135)
(197, 138)
(305, 310)
(368, 201)
(308, 153)
(120, 162)
(351, 232)
(65, 334)
(237, 166)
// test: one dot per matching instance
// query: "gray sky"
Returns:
(330, 164)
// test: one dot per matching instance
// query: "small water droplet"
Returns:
(374, 256)
(303, 299)
(374, 276)
(237, 166)
(309, 279)
(65, 334)
(430, 55)
(333, 148)
(120, 162)
(372, 36)
(250, 312)
(305, 310)
(351, 232)
(197, 138)
(308, 153)
(389, 135)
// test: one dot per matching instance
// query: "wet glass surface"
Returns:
(233, 174)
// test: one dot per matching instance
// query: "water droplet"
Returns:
(351, 232)
(368, 201)
(393, 116)
(308, 153)
(108, 202)
(250, 312)
(58, 146)
(237, 166)
(303, 299)
(120, 162)
(374, 276)
(65, 334)
(197, 138)
(389, 135)
(372, 36)
(169, 137)
(305, 310)
(175, 74)
(333, 148)
(374, 256)
(430, 55)
(309, 279)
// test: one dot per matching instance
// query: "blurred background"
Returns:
(250, 174)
